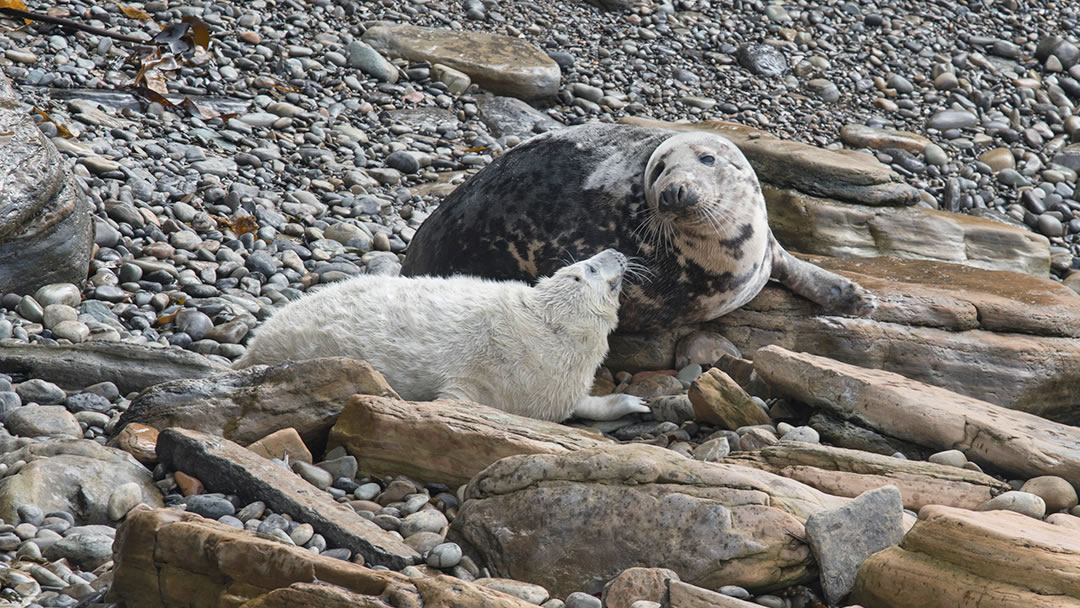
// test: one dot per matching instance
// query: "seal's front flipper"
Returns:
(832, 291)
(609, 407)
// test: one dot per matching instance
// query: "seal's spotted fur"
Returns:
(688, 204)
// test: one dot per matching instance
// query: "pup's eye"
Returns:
(577, 278)
(707, 159)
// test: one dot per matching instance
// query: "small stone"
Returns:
(998, 159)
(445, 555)
(804, 434)
(367, 491)
(423, 541)
(43, 421)
(580, 599)
(317, 477)
(951, 458)
(123, 499)
(209, 505)
(58, 293)
(1057, 493)
(1021, 502)
(734, 591)
(40, 391)
(952, 119)
(757, 438)
(712, 450)
(427, 520)
(74, 331)
(935, 155)
(302, 533)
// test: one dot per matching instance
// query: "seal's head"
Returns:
(699, 177)
(588, 289)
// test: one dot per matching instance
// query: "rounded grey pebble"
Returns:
(735, 592)
(771, 601)
(209, 506)
(231, 521)
(445, 555)
(40, 392)
(579, 599)
(367, 491)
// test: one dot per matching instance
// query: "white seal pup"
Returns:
(531, 351)
(687, 203)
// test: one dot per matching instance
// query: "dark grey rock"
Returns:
(762, 59)
(40, 392)
(45, 221)
(87, 402)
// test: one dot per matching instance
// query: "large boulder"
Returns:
(171, 559)
(45, 228)
(445, 441)
(955, 558)
(573, 521)
(1016, 443)
(500, 64)
(77, 476)
(249, 404)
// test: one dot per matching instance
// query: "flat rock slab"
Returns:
(77, 476)
(247, 405)
(573, 521)
(224, 466)
(810, 224)
(842, 538)
(1003, 337)
(959, 297)
(843, 472)
(955, 558)
(45, 228)
(132, 367)
(174, 559)
(1015, 442)
(500, 64)
(841, 174)
(444, 441)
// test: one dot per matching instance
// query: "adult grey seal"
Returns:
(687, 203)
(531, 351)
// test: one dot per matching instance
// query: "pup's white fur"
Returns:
(530, 351)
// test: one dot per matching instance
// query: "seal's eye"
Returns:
(707, 159)
(576, 278)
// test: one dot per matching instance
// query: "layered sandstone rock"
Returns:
(249, 404)
(500, 64)
(166, 558)
(1003, 337)
(446, 441)
(224, 466)
(1015, 442)
(954, 558)
(713, 524)
(843, 472)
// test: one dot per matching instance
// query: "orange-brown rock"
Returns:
(166, 558)
(843, 472)
(955, 558)
(445, 441)
(635, 584)
(719, 400)
(279, 444)
(189, 486)
(138, 440)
